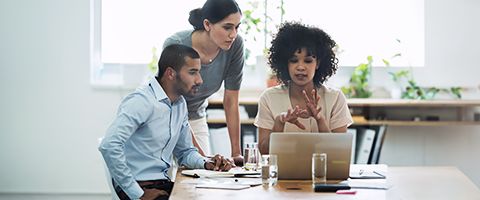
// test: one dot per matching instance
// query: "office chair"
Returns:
(107, 175)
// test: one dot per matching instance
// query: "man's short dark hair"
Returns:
(174, 56)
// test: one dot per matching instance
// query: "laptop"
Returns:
(294, 152)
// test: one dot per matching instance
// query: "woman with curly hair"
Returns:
(302, 58)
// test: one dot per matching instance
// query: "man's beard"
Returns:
(185, 91)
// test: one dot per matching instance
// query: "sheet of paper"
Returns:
(221, 180)
(380, 184)
(368, 171)
(223, 186)
(209, 173)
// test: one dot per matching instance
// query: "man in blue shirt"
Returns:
(151, 124)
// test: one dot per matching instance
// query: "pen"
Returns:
(377, 173)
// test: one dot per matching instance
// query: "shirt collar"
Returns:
(159, 93)
(157, 89)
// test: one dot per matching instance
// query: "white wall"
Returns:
(452, 49)
(51, 116)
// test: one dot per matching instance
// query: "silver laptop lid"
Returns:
(294, 151)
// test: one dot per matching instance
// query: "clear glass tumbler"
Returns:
(269, 169)
(251, 157)
(319, 168)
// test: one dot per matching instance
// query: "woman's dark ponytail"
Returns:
(196, 19)
(214, 11)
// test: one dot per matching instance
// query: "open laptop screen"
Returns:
(294, 151)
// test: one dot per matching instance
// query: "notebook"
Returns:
(294, 152)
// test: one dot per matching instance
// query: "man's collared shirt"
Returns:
(139, 143)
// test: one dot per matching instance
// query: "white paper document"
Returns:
(362, 171)
(222, 186)
(211, 174)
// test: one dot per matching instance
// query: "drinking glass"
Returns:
(251, 157)
(269, 169)
(319, 168)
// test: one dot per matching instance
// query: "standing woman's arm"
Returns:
(232, 115)
(232, 83)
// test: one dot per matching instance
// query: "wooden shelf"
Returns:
(222, 121)
(376, 122)
(370, 106)
(242, 101)
(416, 123)
(411, 103)
(376, 102)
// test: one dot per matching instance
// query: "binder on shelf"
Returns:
(377, 145)
(365, 139)
(353, 131)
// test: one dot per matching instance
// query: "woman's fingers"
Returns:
(314, 95)
(305, 96)
(299, 125)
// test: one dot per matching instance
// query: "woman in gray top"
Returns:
(215, 38)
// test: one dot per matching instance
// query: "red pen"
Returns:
(346, 192)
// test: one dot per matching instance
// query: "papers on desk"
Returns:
(239, 181)
(379, 184)
(368, 177)
(368, 171)
(224, 183)
(223, 186)
(222, 180)
(235, 172)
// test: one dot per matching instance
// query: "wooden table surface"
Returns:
(406, 183)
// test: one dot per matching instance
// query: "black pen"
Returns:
(377, 173)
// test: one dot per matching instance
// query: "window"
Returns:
(124, 31)
(360, 28)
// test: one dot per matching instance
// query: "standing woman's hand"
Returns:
(238, 160)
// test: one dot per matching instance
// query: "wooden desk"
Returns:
(408, 183)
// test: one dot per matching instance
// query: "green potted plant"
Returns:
(358, 85)
(411, 90)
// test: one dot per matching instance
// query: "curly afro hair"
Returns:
(293, 36)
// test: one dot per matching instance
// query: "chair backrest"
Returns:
(107, 175)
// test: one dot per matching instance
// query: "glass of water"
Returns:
(319, 168)
(251, 157)
(269, 169)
